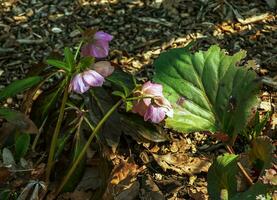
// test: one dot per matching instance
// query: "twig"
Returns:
(243, 171)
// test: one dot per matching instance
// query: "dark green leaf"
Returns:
(5, 194)
(119, 93)
(261, 152)
(86, 62)
(46, 102)
(79, 143)
(57, 63)
(69, 58)
(140, 130)
(222, 176)
(207, 90)
(260, 125)
(112, 129)
(19, 86)
(123, 81)
(22, 144)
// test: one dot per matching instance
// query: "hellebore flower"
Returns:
(154, 107)
(94, 77)
(99, 47)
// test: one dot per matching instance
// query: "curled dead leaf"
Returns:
(123, 183)
(182, 163)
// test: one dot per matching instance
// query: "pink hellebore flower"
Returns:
(99, 48)
(156, 107)
(81, 82)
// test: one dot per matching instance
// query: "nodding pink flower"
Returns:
(99, 47)
(94, 77)
(154, 107)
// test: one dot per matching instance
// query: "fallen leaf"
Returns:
(91, 179)
(150, 190)
(4, 174)
(19, 120)
(270, 176)
(198, 193)
(182, 163)
(76, 195)
(123, 183)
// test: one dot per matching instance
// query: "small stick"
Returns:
(243, 171)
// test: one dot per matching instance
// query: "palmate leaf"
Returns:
(207, 90)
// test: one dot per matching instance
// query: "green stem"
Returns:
(56, 134)
(140, 97)
(78, 50)
(82, 153)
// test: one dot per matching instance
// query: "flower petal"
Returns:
(100, 49)
(93, 78)
(153, 89)
(104, 68)
(77, 84)
(154, 114)
(101, 35)
(140, 107)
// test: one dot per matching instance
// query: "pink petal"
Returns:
(77, 84)
(153, 89)
(154, 114)
(140, 107)
(104, 68)
(100, 35)
(100, 49)
(93, 78)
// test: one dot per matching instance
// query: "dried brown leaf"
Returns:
(182, 163)
(122, 183)
(4, 174)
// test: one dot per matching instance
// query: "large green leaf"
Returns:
(19, 86)
(222, 177)
(207, 90)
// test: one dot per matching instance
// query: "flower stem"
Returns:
(56, 134)
(82, 153)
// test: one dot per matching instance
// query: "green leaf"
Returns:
(74, 179)
(19, 86)
(119, 93)
(141, 131)
(57, 63)
(5, 194)
(222, 176)
(69, 58)
(22, 144)
(261, 152)
(86, 62)
(46, 102)
(261, 124)
(123, 81)
(207, 90)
